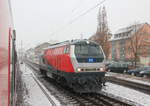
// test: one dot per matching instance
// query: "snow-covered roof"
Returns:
(129, 28)
(126, 32)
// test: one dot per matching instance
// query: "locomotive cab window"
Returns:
(66, 50)
(88, 53)
(90, 50)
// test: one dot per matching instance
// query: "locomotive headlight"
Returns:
(79, 69)
(101, 69)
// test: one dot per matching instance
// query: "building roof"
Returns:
(126, 32)
(129, 28)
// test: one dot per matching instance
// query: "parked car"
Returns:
(145, 73)
(118, 67)
(136, 71)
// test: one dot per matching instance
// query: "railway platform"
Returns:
(30, 91)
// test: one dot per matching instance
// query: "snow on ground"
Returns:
(127, 93)
(34, 95)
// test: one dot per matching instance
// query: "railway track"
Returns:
(90, 99)
(67, 97)
(134, 85)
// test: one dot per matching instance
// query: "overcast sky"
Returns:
(38, 21)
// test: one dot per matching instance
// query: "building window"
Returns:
(130, 49)
(113, 51)
(122, 49)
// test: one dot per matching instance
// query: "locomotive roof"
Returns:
(72, 42)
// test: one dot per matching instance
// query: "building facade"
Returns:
(130, 43)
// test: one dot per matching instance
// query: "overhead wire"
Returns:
(73, 10)
(77, 6)
(75, 19)
(89, 10)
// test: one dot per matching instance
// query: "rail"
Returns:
(134, 85)
(43, 90)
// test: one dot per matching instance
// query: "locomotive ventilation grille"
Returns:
(94, 69)
(88, 70)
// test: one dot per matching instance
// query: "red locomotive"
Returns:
(77, 63)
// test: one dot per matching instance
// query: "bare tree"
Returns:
(102, 32)
(136, 42)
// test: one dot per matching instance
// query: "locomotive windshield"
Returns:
(88, 50)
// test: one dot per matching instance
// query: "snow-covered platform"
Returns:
(31, 91)
(140, 98)
(128, 93)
